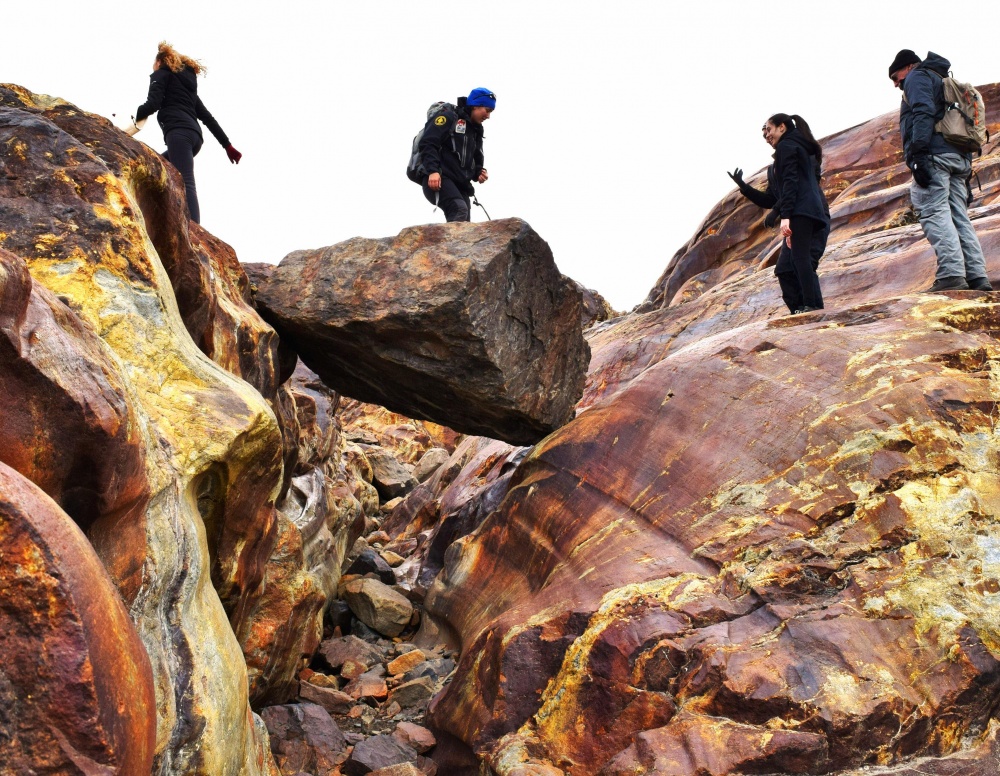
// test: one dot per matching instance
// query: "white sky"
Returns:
(614, 128)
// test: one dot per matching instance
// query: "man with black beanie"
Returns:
(939, 192)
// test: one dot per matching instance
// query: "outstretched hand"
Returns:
(233, 154)
(737, 176)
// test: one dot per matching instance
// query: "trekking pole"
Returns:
(475, 201)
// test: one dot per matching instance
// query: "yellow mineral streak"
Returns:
(193, 414)
(561, 707)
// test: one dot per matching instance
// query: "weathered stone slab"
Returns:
(468, 325)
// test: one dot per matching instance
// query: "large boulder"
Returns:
(467, 325)
(75, 680)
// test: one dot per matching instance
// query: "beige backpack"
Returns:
(964, 122)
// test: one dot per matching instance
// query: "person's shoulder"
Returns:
(443, 117)
(160, 75)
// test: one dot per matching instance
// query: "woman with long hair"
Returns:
(793, 191)
(173, 97)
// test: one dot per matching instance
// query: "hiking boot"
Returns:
(980, 284)
(805, 310)
(949, 284)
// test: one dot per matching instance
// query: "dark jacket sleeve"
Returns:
(919, 90)
(760, 198)
(435, 134)
(480, 161)
(157, 88)
(209, 121)
(788, 163)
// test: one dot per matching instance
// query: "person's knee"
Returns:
(456, 210)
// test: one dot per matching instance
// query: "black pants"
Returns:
(796, 268)
(456, 205)
(183, 146)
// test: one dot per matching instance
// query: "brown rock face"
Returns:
(467, 325)
(76, 688)
(767, 545)
(169, 463)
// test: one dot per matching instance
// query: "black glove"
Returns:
(921, 169)
(737, 176)
(772, 218)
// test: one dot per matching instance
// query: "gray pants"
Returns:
(943, 211)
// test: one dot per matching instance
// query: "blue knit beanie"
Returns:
(482, 97)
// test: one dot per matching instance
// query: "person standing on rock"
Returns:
(451, 153)
(173, 97)
(794, 192)
(939, 192)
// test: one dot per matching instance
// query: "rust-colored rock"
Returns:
(467, 325)
(76, 687)
(167, 461)
(767, 543)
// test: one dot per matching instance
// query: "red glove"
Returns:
(233, 154)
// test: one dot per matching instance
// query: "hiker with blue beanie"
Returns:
(450, 153)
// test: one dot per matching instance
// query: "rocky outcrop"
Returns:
(766, 543)
(467, 325)
(140, 390)
(76, 688)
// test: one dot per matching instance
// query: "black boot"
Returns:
(980, 284)
(949, 284)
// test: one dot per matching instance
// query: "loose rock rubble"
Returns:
(363, 697)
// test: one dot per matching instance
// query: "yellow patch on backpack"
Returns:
(440, 121)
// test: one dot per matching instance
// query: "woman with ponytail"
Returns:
(802, 207)
(173, 96)
(794, 193)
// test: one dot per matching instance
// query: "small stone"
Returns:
(337, 651)
(352, 669)
(377, 752)
(435, 669)
(401, 769)
(324, 680)
(392, 709)
(392, 560)
(405, 662)
(371, 562)
(359, 546)
(338, 615)
(331, 699)
(415, 736)
(379, 537)
(391, 504)
(430, 462)
(368, 686)
(356, 711)
(378, 606)
(414, 693)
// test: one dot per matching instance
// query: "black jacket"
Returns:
(173, 97)
(795, 184)
(767, 198)
(922, 107)
(452, 145)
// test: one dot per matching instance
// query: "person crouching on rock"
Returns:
(451, 152)
(173, 97)
(794, 192)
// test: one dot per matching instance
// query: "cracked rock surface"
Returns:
(467, 325)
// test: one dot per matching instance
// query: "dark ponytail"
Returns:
(795, 121)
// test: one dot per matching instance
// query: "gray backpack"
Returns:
(415, 169)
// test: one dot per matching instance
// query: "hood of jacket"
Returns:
(937, 63)
(795, 137)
